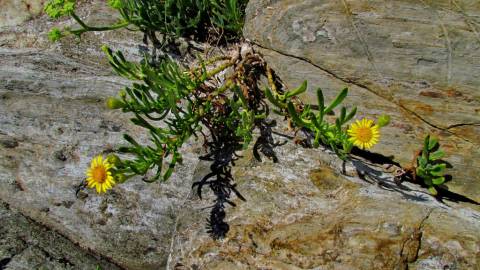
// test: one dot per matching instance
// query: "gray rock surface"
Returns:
(14, 12)
(26, 244)
(53, 120)
(301, 213)
(416, 60)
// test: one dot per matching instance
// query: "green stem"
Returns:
(210, 62)
(228, 84)
(219, 69)
(86, 28)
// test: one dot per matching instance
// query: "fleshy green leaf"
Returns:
(302, 88)
(421, 172)
(337, 101)
(438, 168)
(432, 143)
(383, 120)
(422, 161)
(436, 155)
(351, 114)
(438, 181)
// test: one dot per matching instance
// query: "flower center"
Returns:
(364, 134)
(99, 174)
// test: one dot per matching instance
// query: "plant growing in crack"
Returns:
(333, 135)
(430, 166)
(427, 166)
(219, 100)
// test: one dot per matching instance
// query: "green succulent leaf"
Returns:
(295, 117)
(438, 180)
(116, 4)
(383, 120)
(302, 88)
(433, 142)
(425, 151)
(129, 139)
(439, 154)
(438, 168)
(433, 191)
(350, 115)
(343, 114)
(273, 100)
(421, 172)
(422, 162)
(341, 96)
(320, 100)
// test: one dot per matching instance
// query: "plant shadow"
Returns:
(387, 182)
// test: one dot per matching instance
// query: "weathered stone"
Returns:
(25, 244)
(300, 213)
(417, 61)
(53, 120)
(14, 12)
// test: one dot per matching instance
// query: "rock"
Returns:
(25, 243)
(53, 120)
(417, 61)
(302, 212)
(14, 12)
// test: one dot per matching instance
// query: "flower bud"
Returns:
(114, 103)
(122, 94)
(383, 120)
(120, 178)
(114, 159)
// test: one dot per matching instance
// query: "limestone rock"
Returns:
(14, 12)
(53, 120)
(26, 244)
(300, 213)
(417, 61)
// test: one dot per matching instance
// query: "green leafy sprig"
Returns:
(430, 167)
(332, 135)
(172, 18)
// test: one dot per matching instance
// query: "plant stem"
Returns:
(86, 28)
(270, 80)
(219, 69)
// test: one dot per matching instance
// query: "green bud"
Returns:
(114, 103)
(120, 178)
(122, 94)
(55, 34)
(383, 120)
(114, 160)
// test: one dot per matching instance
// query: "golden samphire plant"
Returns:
(221, 101)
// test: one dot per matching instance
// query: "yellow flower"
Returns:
(364, 133)
(99, 175)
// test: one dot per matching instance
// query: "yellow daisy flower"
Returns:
(364, 134)
(99, 175)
